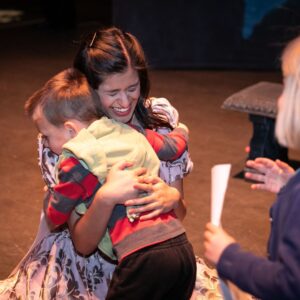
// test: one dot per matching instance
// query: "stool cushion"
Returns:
(258, 99)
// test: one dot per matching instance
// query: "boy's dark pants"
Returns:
(162, 271)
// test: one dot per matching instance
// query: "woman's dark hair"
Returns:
(110, 51)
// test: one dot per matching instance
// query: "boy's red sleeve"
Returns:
(76, 185)
(168, 147)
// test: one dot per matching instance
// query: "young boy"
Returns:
(66, 111)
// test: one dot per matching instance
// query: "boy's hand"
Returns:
(215, 242)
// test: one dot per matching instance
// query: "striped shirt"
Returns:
(76, 184)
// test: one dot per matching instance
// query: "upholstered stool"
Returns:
(260, 102)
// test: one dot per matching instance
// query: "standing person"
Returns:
(52, 267)
(278, 276)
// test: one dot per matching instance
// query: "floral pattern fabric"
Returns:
(53, 270)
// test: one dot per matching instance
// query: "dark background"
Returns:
(181, 34)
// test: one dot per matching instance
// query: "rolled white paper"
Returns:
(219, 181)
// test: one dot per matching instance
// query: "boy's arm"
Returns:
(76, 184)
(169, 146)
(87, 230)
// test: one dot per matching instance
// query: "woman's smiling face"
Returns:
(119, 94)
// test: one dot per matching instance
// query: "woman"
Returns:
(115, 66)
(53, 268)
(106, 58)
(278, 276)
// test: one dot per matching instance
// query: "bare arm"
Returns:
(87, 231)
(180, 210)
(161, 199)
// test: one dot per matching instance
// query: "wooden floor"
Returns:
(30, 55)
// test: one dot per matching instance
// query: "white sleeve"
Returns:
(171, 171)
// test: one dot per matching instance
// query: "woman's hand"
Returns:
(120, 184)
(88, 230)
(215, 242)
(272, 175)
(161, 197)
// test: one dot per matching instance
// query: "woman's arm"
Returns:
(172, 196)
(180, 210)
(166, 192)
(161, 199)
(87, 230)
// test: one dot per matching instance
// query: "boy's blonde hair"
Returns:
(66, 96)
(288, 118)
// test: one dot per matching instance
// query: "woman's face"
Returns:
(119, 94)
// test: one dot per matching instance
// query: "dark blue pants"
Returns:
(263, 142)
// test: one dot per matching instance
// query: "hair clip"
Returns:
(93, 39)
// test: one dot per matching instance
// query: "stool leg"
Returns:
(263, 142)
